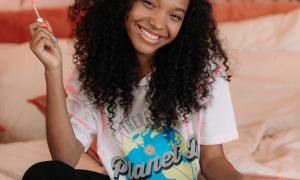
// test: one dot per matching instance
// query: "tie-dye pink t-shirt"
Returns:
(134, 150)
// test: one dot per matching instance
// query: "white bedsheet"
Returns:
(261, 151)
(16, 158)
(265, 61)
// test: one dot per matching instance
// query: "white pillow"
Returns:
(280, 32)
(266, 86)
(22, 78)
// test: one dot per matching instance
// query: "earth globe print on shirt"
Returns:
(160, 153)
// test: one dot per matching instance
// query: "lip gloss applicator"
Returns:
(39, 18)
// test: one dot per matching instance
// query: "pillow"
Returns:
(273, 33)
(16, 24)
(40, 103)
(22, 77)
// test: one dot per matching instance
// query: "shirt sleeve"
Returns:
(218, 123)
(81, 112)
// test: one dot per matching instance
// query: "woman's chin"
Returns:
(145, 51)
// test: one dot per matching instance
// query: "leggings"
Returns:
(57, 170)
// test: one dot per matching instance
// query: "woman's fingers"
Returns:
(44, 42)
(38, 36)
(41, 44)
(44, 45)
(48, 54)
(45, 32)
(34, 26)
(48, 26)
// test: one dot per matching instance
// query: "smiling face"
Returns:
(152, 24)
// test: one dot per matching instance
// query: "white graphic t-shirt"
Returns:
(135, 150)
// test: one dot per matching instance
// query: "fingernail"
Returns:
(55, 41)
(45, 25)
(40, 20)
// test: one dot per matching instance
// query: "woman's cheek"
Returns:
(174, 29)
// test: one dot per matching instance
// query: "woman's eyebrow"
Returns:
(180, 9)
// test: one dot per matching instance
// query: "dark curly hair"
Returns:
(108, 66)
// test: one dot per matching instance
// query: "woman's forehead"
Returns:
(179, 4)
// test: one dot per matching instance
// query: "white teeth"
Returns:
(149, 35)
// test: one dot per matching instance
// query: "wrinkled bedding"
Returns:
(261, 151)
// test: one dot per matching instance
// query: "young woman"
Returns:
(150, 83)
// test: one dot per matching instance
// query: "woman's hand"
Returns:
(45, 46)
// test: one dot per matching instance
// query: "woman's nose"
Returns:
(155, 24)
(157, 20)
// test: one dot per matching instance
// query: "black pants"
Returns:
(57, 170)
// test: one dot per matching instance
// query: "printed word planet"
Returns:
(143, 170)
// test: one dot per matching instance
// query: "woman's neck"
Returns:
(145, 62)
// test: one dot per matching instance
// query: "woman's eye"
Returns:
(177, 18)
(149, 4)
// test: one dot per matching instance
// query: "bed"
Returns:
(264, 56)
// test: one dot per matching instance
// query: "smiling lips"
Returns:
(150, 37)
